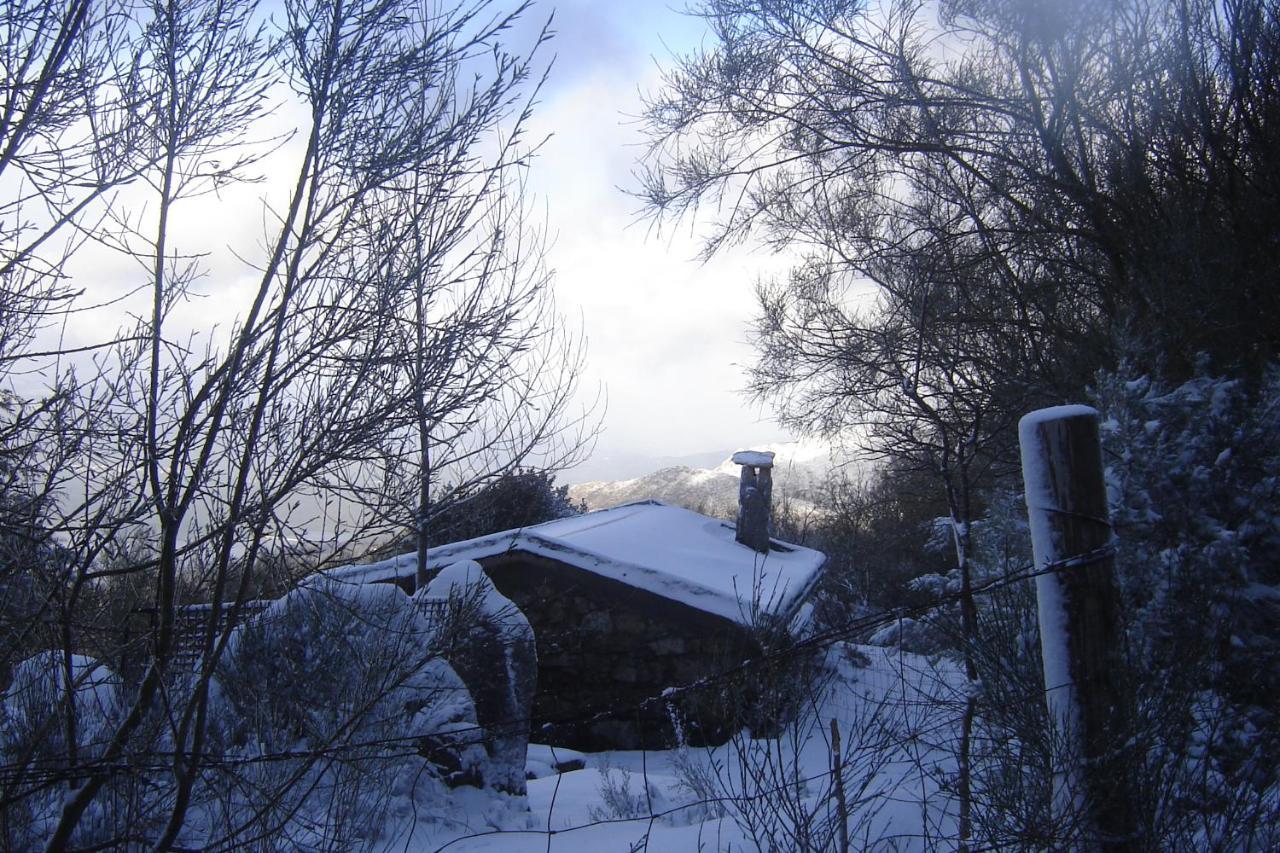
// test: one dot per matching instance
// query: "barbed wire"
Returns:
(40, 774)
(805, 646)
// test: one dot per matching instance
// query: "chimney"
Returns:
(755, 491)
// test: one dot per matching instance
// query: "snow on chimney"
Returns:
(755, 491)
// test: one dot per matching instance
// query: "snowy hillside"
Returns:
(700, 489)
(800, 467)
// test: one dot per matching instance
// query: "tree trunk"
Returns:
(957, 484)
(421, 539)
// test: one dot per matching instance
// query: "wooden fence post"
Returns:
(1080, 637)
(842, 806)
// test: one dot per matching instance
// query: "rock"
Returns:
(545, 760)
(597, 620)
(668, 646)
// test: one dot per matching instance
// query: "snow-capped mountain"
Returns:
(799, 469)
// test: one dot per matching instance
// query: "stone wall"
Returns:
(605, 647)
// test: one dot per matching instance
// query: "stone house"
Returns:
(630, 601)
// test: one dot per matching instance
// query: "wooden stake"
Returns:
(837, 770)
(1079, 622)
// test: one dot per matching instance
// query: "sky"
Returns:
(666, 334)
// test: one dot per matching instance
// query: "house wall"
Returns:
(604, 648)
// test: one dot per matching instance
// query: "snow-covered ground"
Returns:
(895, 713)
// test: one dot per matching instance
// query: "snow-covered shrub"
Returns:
(911, 635)
(489, 642)
(46, 729)
(1194, 478)
(338, 662)
(35, 706)
(1193, 473)
(1000, 544)
(333, 704)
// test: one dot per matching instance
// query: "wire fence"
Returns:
(932, 729)
(193, 627)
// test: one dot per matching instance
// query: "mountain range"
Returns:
(800, 469)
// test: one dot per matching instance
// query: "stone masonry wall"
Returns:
(604, 648)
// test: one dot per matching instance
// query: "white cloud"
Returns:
(667, 334)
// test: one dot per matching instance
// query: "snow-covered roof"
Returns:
(649, 545)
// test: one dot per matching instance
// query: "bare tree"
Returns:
(988, 173)
(902, 377)
(396, 286)
(487, 366)
(1070, 141)
(1021, 185)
